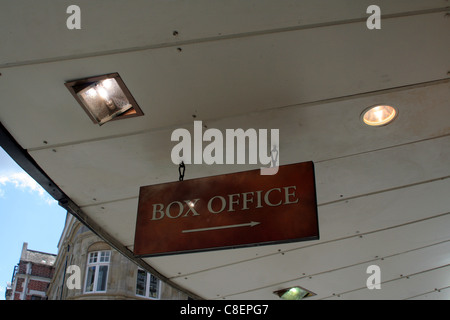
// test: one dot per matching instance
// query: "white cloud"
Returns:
(23, 181)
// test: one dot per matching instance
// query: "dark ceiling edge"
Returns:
(29, 165)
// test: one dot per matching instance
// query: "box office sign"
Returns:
(227, 211)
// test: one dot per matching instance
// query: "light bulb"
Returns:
(102, 92)
(295, 293)
(107, 83)
(379, 115)
(105, 96)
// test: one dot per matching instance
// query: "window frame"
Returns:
(94, 261)
(148, 277)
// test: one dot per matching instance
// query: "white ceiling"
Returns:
(308, 68)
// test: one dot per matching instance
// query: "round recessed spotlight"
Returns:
(379, 115)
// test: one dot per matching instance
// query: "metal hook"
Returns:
(181, 167)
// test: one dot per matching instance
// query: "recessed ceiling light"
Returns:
(104, 98)
(294, 293)
(379, 115)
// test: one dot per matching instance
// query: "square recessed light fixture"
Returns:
(104, 98)
(294, 293)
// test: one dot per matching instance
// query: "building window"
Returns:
(97, 271)
(147, 285)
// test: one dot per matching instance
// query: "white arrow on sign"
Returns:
(250, 224)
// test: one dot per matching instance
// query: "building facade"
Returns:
(31, 276)
(87, 268)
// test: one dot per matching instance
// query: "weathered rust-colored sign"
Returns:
(227, 211)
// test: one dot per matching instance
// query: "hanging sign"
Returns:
(227, 211)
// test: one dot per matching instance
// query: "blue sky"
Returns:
(27, 214)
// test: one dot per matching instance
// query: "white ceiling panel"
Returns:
(118, 218)
(225, 78)
(112, 26)
(436, 294)
(413, 285)
(389, 168)
(132, 161)
(328, 256)
(393, 268)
